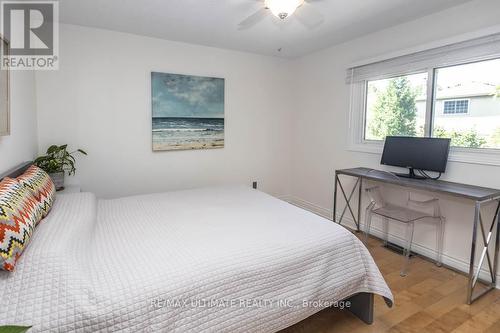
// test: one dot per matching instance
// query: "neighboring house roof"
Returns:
(471, 89)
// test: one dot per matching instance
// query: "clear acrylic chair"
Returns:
(408, 215)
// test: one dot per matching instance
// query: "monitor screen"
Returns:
(428, 154)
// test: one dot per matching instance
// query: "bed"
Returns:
(224, 259)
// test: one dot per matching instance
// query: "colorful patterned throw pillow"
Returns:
(40, 185)
(19, 213)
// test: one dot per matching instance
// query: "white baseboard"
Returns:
(456, 263)
(313, 208)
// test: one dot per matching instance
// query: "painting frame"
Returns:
(187, 111)
(4, 91)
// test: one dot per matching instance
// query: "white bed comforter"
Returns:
(207, 260)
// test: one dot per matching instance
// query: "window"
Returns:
(450, 91)
(465, 105)
(460, 106)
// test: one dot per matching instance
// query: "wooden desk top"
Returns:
(472, 192)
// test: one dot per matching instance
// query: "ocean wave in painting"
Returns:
(171, 133)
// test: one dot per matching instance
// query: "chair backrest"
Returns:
(375, 196)
(429, 206)
(374, 192)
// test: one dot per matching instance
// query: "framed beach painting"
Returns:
(188, 112)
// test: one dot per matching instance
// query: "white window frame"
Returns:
(357, 120)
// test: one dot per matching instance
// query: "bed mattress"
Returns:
(228, 259)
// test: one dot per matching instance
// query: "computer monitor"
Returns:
(425, 154)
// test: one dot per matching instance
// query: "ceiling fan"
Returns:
(284, 9)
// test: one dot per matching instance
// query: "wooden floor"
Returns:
(429, 299)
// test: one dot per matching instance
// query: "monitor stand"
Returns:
(411, 174)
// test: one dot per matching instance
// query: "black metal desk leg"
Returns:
(486, 239)
(470, 284)
(497, 246)
(334, 218)
(348, 201)
(359, 202)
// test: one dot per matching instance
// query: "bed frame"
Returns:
(17, 171)
(361, 305)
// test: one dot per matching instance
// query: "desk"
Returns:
(479, 195)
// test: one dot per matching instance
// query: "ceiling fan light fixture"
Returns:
(283, 8)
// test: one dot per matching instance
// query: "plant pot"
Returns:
(58, 179)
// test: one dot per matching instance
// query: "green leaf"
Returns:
(14, 329)
(40, 159)
(52, 149)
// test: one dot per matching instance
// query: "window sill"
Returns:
(460, 155)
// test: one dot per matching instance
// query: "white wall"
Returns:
(21, 145)
(286, 121)
(321, 121)
(100, 101)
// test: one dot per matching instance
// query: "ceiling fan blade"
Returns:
(253, 19)
(309, 16)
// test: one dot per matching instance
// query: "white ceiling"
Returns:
(215, 22)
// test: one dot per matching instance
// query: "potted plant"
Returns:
(56, 162)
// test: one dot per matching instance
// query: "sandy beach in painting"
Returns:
(188, 146)
(175, 133)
